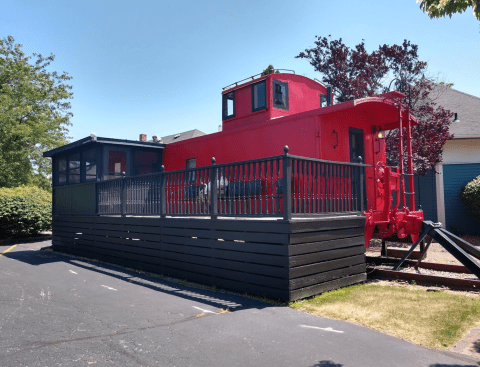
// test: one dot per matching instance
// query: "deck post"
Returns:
(123, 198)
(162, 191)
(362, 177)
(287, 184)
(213, 193)
(97, 198)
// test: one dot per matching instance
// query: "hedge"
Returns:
(471, 197)
(24, 211)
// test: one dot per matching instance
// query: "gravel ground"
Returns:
(435, 254)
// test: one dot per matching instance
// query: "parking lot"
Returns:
(58, 310)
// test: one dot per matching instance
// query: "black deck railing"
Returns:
(279, 186)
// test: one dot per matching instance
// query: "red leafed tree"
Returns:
(358, 73)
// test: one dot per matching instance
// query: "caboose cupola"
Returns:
(265, 97)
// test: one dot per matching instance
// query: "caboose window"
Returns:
(323, 100)
(259, 96)
(280, 95)
(228, 105)
(191, 163)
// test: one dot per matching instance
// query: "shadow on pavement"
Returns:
(476, 346)
(214, 298)
(327, 364)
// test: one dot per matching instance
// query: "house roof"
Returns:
(465, 105)
(181, 136)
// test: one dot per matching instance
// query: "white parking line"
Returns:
(201, 309)
(71, 271)
(113, 289)
(321, 328)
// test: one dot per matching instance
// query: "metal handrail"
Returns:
(288, 185)
(253, 77)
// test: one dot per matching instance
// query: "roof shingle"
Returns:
(465, 105)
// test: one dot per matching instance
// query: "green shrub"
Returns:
(24, 210)
(471, 197)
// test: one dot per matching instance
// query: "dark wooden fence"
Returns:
(279, 186)
(284, 260)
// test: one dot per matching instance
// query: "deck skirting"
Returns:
(284, 260)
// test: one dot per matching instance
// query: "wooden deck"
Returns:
(285, 260)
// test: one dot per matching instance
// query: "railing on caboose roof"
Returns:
(280, 186)
(250, 78)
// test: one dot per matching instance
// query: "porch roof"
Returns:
(99, 140)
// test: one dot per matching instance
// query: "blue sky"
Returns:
(158, 67)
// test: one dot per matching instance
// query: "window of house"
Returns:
(280, 95)
(228, 105)
(74, 168)
(145, 162)
(259, 96)
(62, 170)
(90, 164)
(117, 162)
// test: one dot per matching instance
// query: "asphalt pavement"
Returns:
(58, 310)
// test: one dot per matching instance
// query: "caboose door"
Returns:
(357, 155)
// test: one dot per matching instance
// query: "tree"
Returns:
(358, 73)
(34, 113)
(270, 69)
(441, 8)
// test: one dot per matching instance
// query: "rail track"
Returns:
(424, 273)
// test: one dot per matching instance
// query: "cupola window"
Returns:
(228, 105)
(280, 95)
(259, 96)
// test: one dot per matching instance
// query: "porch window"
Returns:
(90, 164)
(62, 170)
(145, 162)
(74, 168)
(117, 162)
(228, 105)
(259, 96)
(280, 95)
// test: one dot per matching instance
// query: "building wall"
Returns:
(461, 151)
(456, 152)
(457, 218)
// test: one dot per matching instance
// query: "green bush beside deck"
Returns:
(24, 211)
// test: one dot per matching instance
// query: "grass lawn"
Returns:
(433, 319)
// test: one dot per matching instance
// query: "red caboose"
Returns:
(261, 115)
